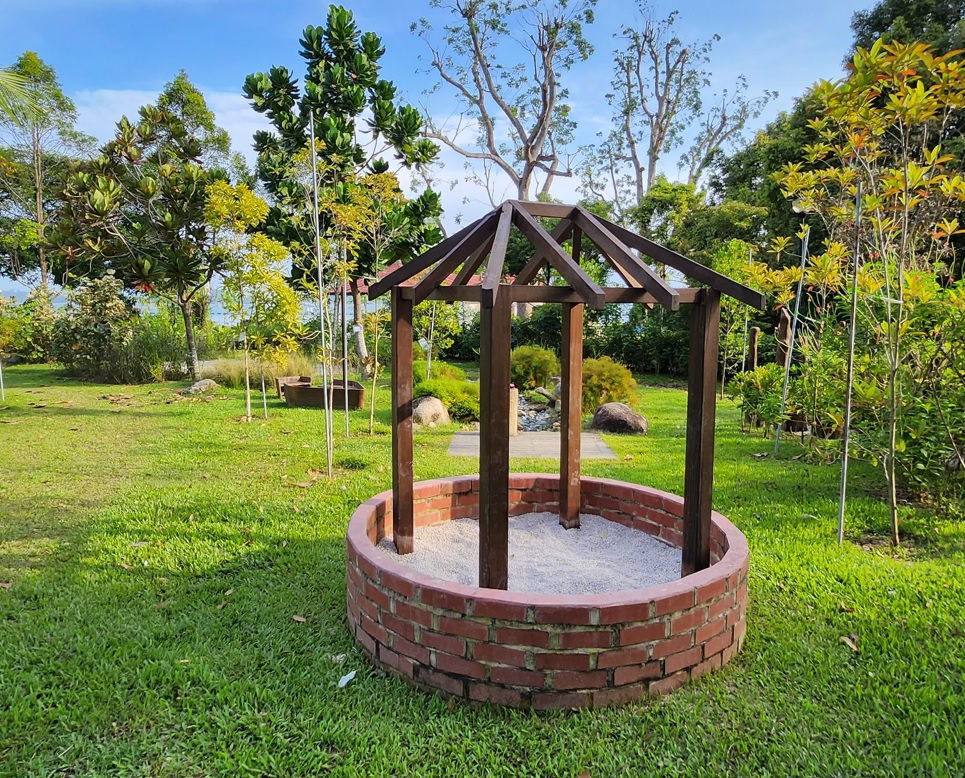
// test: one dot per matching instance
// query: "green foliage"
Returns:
(605, 381)
(543, 327)
(532, 366)
(461, 398)
(440, 369)
(28, 328)
(758, 394)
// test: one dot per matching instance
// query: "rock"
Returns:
(429, 410)
(558, 390)
(617, 417)
(200, 387)
(550, 397)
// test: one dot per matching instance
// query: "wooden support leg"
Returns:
(755, 337)
(571, 416)
(701, 410)
(402, 506)
(494, 443)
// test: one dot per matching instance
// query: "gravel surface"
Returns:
(601, 556)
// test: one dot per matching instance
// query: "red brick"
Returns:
(441, 681)
(366, 640)
(626, 656)
(670, 536)
(368, 607)
(491, 652)
(367, 568)
(464, 628)
(398, 584)
(734, 615)
(711, 590)
(567, 661)
(374, 629)
(464, 512)
(667, 684)
(617, 614)
(587, 639)
(549, 701)
(581, 615)
(672, 646)
(447, 643)
(494, 609)
(721, 606)
(497, 695)
(707, 631)
(707, 666)
(400, 627)
(401, 664)
(643, 633)
(740, 630)
(728, 653)
(688, 621)
(512, 676)
(674, 603)
(522, 637)
(620, 696)
(413, 613)
(636, 673)
(439, 598)
(448, 663)
(684, 659)
(410, 649)
(564, 680)
(718, 643)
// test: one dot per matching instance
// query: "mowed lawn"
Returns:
(154, 552)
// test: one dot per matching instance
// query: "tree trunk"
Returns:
(361, 351)
(892, 454)
(194, 366)
(38, 172)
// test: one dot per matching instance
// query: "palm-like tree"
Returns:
(15, 96)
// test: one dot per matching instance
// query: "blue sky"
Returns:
(114, 55)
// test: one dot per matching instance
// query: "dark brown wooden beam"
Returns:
(497, 256)
(565, 294)
(456, 256)
(425, 260)
(560, 233)
(548, 210)
(687, 266)
(494, 442)
(589, 291)
(624, 260)
(701, 411)
(402, 500)
(472, 264)
(571, 416)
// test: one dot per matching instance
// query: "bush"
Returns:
(758, 392)
(532, 366)
(439, 370)
(605, 381)
(461, 398)
(544, 327)
(27, 329)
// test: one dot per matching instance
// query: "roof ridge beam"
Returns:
(497, 257)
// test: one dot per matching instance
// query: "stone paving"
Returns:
(534, 445)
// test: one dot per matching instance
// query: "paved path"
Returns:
(535, 445)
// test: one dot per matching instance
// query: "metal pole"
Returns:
(851, 339)
(750, 258)
(264, 396)
(432, 333)
(321, 304)
(790, 345)
(345, 340)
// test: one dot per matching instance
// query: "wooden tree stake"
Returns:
(402, 505)
(571, 417)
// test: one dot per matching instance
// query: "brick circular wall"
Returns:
(536, 650)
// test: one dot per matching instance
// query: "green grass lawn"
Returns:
(156, 553)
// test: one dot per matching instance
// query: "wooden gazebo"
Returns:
(488, 237)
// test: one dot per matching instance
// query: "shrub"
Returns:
(439, 370)
(27, 328)
(758, 392)
(543, 327)
(461, 398)
(605, 381)
(532, 366)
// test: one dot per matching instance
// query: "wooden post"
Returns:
(571, 416)
(783, 337)
(402, 506)
(701, 410)
(494, 442)
(753, 340)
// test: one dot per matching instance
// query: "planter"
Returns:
(303, 396)
(287, 380)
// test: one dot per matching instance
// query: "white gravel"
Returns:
(601, 556)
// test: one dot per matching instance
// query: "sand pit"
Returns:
(599, 557)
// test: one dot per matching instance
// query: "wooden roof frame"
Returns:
(486, 240)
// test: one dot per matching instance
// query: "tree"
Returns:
(939, 23)
(342, 84)
(881, 128)
(38, 136)
(657, 95)
(140, 208)
(503, 59)
(15, 95)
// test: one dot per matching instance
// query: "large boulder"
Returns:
(617, 417)
(200, 387)
(429, 410)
